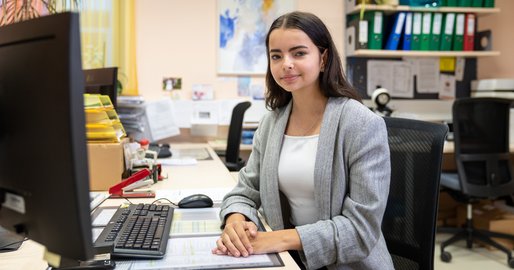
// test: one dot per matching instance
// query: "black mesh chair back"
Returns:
(481, 131)
(409, 222)
(232, 159)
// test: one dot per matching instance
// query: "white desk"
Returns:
(206, 174)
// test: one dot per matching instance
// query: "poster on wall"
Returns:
(242, 29)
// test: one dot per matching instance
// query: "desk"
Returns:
(206, 174)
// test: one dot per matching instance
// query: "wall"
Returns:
(178, 38)
(501, 25)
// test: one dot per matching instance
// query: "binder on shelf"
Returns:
(451, 3)
(375, 25)
(464, 3)
(447, 34)
(435, 37)
(425, 31)
(469, 32)
(357, 35)
(488, 3)
(407, 34)
(396, 32)
(458, 38)
(477, 3)
(416, 31)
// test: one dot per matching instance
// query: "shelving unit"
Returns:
(393, 9)
(358, 58)
(393, 54)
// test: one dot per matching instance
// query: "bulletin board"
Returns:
(357, 75)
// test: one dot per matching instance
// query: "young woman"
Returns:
(319, 168)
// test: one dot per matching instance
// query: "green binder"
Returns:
(458, 37)
(489, 3)
(464, 3)
(447, 32)
(477, 3)
(451, 3)
(375, 29)
(425, 31)
(415, 44)
(435, 37)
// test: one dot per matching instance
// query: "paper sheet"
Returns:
(103, 218)
(427, 80)
(196, 222)
(395, 76)
(195, 253)
(161, 119)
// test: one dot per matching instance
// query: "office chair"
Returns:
(481, 137)
(232, 160)
(409, 221)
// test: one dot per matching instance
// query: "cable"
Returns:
(165, 200)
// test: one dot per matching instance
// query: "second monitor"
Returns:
(102, 81)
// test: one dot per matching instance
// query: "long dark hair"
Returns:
(332, 80)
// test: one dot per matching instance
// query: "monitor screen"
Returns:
(44, 182)
(102, 81)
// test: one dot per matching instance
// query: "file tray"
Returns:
(102, 121)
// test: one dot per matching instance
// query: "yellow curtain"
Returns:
(126, 38)
(108, 39)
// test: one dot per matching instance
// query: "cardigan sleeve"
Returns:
(245, 197)
(352, 235)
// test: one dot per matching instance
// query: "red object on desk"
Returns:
(117, 189)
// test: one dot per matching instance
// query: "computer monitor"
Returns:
(102, 81)
(44, 182)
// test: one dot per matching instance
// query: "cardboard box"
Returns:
(447, 210)
(487, 216)
(106, 165)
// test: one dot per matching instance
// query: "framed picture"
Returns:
(242, 29)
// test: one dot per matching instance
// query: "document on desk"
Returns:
(195, 222)
(195, 253)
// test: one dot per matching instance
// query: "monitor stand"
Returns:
(9, 241)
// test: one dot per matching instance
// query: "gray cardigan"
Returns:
(352, 173)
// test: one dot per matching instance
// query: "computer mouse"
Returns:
(195, 201)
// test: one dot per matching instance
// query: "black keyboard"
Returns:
(137, 231)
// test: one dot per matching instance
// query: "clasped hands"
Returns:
(241, 238)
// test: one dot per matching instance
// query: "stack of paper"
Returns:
(102, 122)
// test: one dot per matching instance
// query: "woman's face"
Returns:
(295, 62)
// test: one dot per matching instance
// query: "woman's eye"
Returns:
(275, 57)
(300, 53)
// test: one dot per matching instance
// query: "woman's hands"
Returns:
(241, 238)
(235, 238)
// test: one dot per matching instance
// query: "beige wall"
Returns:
(502, 26)
(178, 38)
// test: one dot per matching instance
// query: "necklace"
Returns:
(309, 129)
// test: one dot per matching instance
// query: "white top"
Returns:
(296, 177)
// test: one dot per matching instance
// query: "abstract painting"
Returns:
(243, 25)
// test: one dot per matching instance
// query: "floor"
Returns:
(463, 258)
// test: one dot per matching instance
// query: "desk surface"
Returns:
(205, 174)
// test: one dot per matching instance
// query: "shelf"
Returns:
(392, 54)
(393, 9)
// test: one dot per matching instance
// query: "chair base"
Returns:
(470, 235)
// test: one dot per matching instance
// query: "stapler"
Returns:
(127, 187)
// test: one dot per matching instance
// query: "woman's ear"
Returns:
(324, 57)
